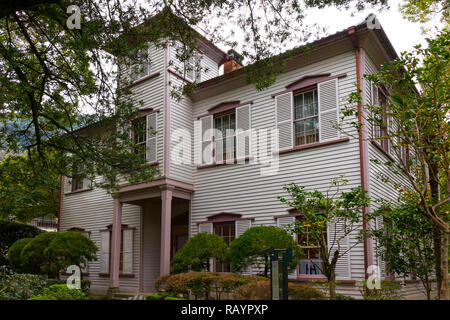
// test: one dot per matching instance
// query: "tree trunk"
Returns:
(444, 267)
(332, 285)
(437, 258)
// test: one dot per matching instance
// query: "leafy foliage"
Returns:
(207, 285)
(245, 250)
(51, 252)
(28, 189)
(85, 284)
(21, 286)
(260, 290)
(10, 232)
(198, 251)
(70, 248)
(14, 254)
(339, 211)
(390, 290)
(406, 242)
(60, 292)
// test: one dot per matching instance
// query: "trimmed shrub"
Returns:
(197, 252)
(162, 296)
(260, 290)
(60, 292)
(85, 284)
(33, 257)
(14, 254)
(21, 286)
(69, 248)
(389, 290)
(247, 248)
(50, 252)
(340, 296)
(203, 285)
(10, 232)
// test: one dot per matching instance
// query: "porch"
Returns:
(164, 220)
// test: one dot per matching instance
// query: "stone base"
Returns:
(112, 291)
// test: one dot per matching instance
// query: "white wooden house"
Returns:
(139, 229)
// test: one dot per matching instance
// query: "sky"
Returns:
(403, 34)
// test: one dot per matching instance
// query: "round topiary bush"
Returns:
(14, 254)
(34, 260)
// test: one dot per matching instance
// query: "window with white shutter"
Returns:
(287, 223)
(207, 136)
(328, 109)
(243, 133)
(283, 120)
(306, 117)
(105, 236)
(335, 234)
(205, 227)
(151, 154)
(67, 184)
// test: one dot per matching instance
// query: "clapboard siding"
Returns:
(241, 188)
(210, 69)
(93, 211)
(182, 127)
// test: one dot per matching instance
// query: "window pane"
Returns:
(308, 105)
(298, 103)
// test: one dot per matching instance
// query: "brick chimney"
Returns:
(234, 62)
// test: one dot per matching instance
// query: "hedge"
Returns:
(10, 232)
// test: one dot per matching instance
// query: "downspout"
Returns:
(362, 152)
(59, 203)
(166, 152)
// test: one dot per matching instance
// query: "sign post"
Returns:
(279, 261)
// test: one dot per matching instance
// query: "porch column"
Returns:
(166, 215)
(115, 243)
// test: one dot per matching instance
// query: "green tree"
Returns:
(249, 246)
(28, 189)
(197, 253)
(10, 232)
(14, 254)
(406, 242)
(338, 212)
(70, 248)
(418, 135)
(34, 259)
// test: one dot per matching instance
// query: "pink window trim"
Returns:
(313, 145)
(224, 107)
(308, 81)
(224, 217)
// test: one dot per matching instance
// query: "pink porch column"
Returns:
(166, 214)
(115, 243)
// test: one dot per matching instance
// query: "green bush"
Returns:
(34, 259)
(203, 285)
(162, 296)
(21, 286)
(85, 284)
(10, 232)
(50, 252)
(389, 290)
(14, 254)
(60, 292)
(248, 247)
(260, 290)
(340, 296)
(197, 252)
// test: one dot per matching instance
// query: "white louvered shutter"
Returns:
(327, 93)
(105, 237)
(85, 269)
(87, 183)
(205, 227)
(380, 261)
(208, 228)
(334, 232)
(243, 136)
(241, 226)
(67, 184)
(128, 251)
(151, 154)
(283, 118)
(287, 223)
(207, 139)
